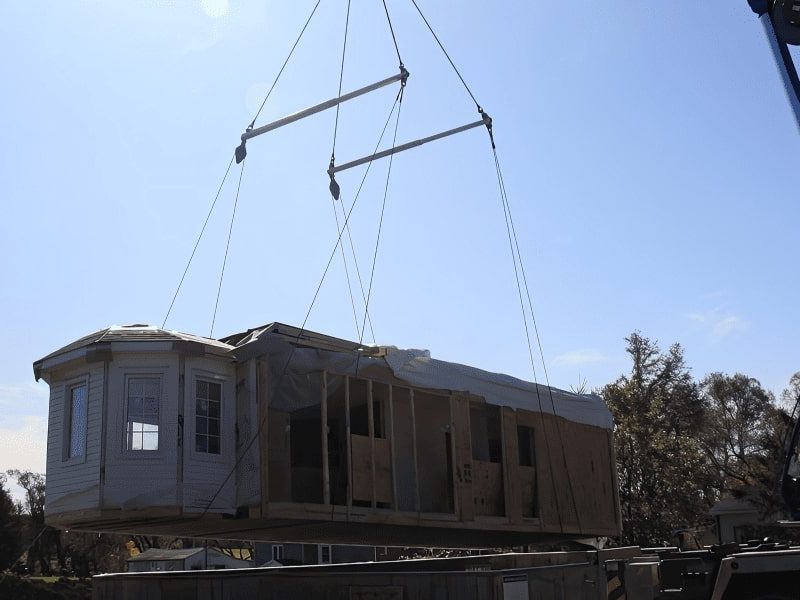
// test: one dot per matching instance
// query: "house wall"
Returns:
(204, 472)
(74, 484)
(142, 479)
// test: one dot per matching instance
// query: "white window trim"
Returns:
(66, 426)
(225, 399)
(135, 374)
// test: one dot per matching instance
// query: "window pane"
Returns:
(202, 389)
(150, 440)
(202, 407)
(202, 425)
(213, 409)
(78, 423)
(213, 427)
(213, 445)
(201, 443)
(214, 391)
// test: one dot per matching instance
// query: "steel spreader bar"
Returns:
(402, 76)
(407, 146)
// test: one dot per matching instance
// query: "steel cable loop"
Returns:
(391, 30)
(197, 243)
(516, 252)
(450, 60)
(227, 246)
(341, 77)
(358, 275)
(285, 368)
(344, 261)
(380, 222)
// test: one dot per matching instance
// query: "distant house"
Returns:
(184, 559)
(736, 519)
(270, 554)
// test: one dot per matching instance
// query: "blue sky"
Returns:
(646, 151)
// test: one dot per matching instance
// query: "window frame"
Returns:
(211, 381)
(197, 375)
(142, 452)
(66, 429)
(320, 553)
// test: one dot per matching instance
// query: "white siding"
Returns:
(141, 479)
(74, 484)
(204, 473)
(248, 472)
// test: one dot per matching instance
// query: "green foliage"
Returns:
(743, 439)
(9, 527)
(682, 445)
(658, 413)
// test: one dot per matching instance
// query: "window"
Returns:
(525, 443)
(277, 552)
(324, 554)
(78, 399)
(208, 398)
(143, 401)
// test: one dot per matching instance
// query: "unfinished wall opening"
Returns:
(337, 440)
(434, 452)
(405, 476)
(487, 456)
(295, 437)
(527, 471)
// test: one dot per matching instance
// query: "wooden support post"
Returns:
(262, 392)
(414, 443)
(349, 443)
(392, 449)
(326, 475)
(371, 426)
(454, 460)
(511, 483)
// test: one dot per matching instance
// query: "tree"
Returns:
(44, 541)
(9, 527)
(663, 471)
(743, 438)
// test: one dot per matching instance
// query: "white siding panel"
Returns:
(141, 479)
(74, 484)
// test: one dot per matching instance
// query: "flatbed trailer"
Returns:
(730, 572)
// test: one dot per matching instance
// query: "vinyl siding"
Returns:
(74, 484)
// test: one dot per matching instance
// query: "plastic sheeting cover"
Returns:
(296, 387)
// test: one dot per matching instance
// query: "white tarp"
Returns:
(418, 369)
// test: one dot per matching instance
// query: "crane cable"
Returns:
(516, 256)
(227, 247)
(197, 243)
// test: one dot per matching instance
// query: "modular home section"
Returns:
(279, 433)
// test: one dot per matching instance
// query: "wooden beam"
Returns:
(371, 427)
(414, 445)
(326, 476)
(454, 461)
(511, 479)
(262, 393)
(392, 448)
(349, 443)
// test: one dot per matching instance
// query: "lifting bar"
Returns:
(402, 76)
(485, 120)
